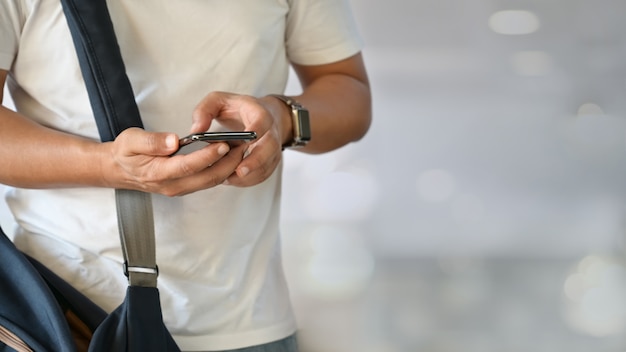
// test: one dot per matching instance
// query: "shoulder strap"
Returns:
(114, 107)
(111, 95)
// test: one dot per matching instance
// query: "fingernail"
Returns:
(171, 141)
(243, 171)
(223, 149)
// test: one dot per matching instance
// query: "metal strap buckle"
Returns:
(140, 269)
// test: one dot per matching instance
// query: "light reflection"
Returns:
(594, 297)
(575, 286)
(435, 185)
(590, 109)
(514, 22)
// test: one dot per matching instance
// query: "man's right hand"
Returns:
(142, 160)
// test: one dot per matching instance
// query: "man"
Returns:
(194, 66)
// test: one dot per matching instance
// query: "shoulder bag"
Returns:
(37, 308)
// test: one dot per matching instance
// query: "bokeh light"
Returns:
(590, 109)
(594, 131)
(594, 294)
(514, 22)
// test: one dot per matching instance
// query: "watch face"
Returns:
(304, 126)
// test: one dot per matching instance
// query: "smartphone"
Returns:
(232, 138)
(218, 137)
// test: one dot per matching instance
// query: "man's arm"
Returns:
(35, 156)
(29, 153)
(338, 98)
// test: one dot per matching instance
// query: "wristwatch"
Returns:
(300, 119)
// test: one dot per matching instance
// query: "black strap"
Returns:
(110, 91)
(114, 107)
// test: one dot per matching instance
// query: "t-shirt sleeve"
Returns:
(321, 32)
(10, 16)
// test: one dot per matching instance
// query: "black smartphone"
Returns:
(232, 138)
(218, 137)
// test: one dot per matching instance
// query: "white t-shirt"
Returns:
(218, 250)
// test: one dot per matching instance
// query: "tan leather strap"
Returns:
(11, 340)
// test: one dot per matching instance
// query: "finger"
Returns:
(180, 166)
(137, 141)
(256, 118)
(259, 163)
(209, 177)
(236, 112)
(206, 111)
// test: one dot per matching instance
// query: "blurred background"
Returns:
(485, 211)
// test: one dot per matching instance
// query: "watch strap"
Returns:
(300, 121)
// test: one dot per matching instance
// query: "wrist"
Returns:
(108, 169)
(300, 123)
(282, 116)
(111, 173)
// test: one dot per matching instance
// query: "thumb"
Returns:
(138, 141)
